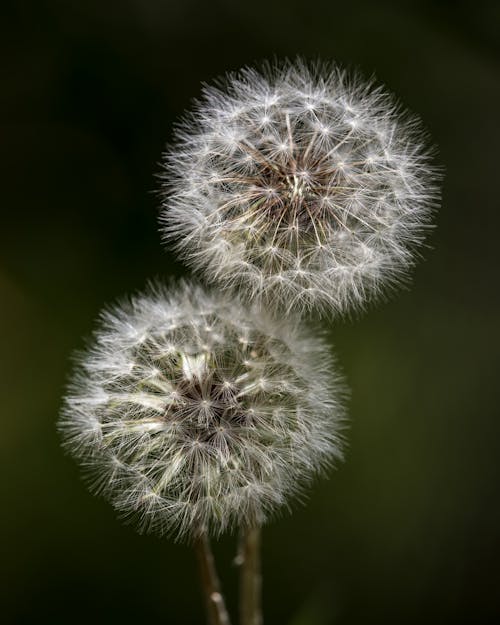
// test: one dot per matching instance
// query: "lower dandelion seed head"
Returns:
(192, 413)
(298, 170)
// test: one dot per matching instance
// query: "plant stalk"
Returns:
(216, 608)
(251, 579)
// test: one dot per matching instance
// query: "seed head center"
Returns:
(297, 186)
(210, 397)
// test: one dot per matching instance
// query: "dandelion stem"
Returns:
(215, 604)
(250, 581)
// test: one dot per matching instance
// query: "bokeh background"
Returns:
(406, 531)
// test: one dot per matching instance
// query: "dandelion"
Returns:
(300, 186)
(194, 415)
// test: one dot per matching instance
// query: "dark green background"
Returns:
(406, 531)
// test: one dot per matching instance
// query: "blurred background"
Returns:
(406, 531)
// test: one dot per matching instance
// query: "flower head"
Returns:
(191, 413)
(299, 186)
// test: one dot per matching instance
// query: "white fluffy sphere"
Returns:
(191, 413)
(300, 187)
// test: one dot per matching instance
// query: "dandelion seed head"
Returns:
(281, 179)
(193, 413)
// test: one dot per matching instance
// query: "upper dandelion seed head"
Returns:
(299, 170)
